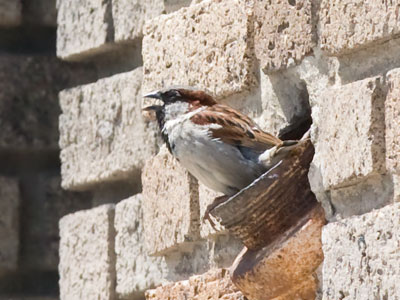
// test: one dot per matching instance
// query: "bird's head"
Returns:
(177, 101)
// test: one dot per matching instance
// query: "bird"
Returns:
(220, 146)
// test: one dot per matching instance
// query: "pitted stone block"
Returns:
(392, 119)
(103, 136)
(283, 32)
(87, 258)
(362, 257)
(350, 135)
(136, 270)
(9, 224)
(171, 210)
(207, 45)
(348, 25)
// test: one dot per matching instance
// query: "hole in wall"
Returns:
(299, 123)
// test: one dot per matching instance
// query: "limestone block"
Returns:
(130, 16)
(29, 111)
(372, 193)
(103, 137)
(353, 24)
(362, 257)
(84, 28)
(396, 187)
(283, 32)
(136, 271)
(392, 119)
(350, 136)
(9, 224)
(41, 12)
(207, 45)
(284, 269)
(170, 204)
(217, 251)
(87, 258)
(45, 202)
(87, 28)
(213, 285)
(10, 12)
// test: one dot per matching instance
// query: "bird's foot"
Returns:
(217, 201)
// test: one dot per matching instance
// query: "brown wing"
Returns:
(236, 128)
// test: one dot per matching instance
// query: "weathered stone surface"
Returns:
(213, 285)
(28, 104)
(10, 12)
(207, 45)
(350, 136)
(45, 202)
(353, 24)
(171, 210)
(285, 268)
(129, 16)
(41, 12)
(392, 120)
(396, 187)
(84, 28)
(9, 224)
(136, 271)
(362, 257)
(283, 32)
(87, 28)
(372, 193)
(218, 251)
(87, 258)
(102, 134)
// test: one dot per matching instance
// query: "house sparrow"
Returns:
(221, 147)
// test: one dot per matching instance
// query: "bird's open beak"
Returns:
(151, 108)
(155, 95)
(150, 112)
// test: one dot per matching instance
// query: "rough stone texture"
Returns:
(102, 134)
(28, 105)
(213, 285)
(392, 119)
(136, 271)
(350, 137)
(206, 197)
(218, 251)
(374, 192)
(347, 25)
(84, 28)
(129, 16)
(9, 224)
(171, 210)
(10, 12)
(207, 45)
(362, 257)
(285, 268)
(87, 28)
(41, 12)
(396, 187)
(87, 258)
(44, 203)
(283, 32)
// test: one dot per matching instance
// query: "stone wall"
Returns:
(332, 66)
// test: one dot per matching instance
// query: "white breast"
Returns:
(216, 164)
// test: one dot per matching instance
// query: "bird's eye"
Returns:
(173, 95)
